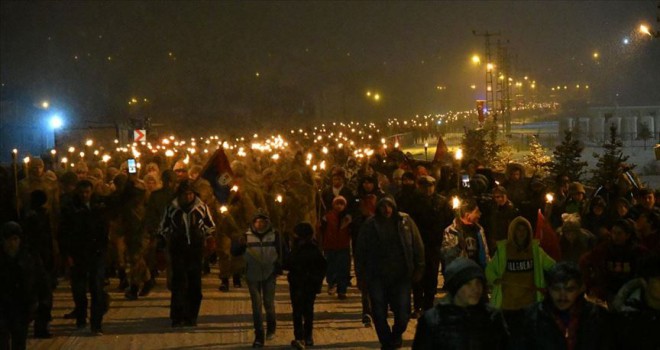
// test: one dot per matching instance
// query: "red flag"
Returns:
(217, 172)
(547, 237)
(441, 150)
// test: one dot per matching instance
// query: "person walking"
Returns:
(307, 267)
(85, 220)
(186, 225)
(390, 257)
(263, 249)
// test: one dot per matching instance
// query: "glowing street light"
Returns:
(476, 59)
(45, 104)
(55, 122)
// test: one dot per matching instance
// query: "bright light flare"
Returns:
(549, 197)
(455, 202)
(459, 154)
(644, 29)
(55, 122)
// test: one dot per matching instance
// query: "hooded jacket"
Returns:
(263, 251)
(367, 255)
(497, 267)
(454, 245)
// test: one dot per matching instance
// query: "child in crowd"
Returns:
(307, 267)
(336, 233)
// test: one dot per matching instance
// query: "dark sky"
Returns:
(200, 60)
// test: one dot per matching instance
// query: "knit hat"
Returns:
(339, 199)
(425, 180)
(10, 229)
(260, 214)
(303, 230)
(461, 271)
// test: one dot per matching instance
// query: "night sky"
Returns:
(268, 62)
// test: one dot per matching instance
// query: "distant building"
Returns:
(594, 125)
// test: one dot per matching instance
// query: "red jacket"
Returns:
(334, 235)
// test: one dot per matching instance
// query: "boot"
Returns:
(123, 282)
(132, 294)
(148, 286)
(224, 285)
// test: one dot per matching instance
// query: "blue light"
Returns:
(55, 122)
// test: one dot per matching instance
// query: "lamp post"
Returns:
(426, 151)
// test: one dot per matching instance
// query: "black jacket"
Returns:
(540, 330)
(22, 280)
(447, 326)
(307, 267)
(431, 214)
(86, 230)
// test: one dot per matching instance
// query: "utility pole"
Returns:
(490, 98)
(504, 86)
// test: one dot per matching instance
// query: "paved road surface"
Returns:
(225, 322)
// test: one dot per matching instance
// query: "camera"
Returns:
(132, 166)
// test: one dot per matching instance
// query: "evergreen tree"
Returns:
(644, 133)
(566, 158)
(474, 143)
(482, 145)
(609, 164)
(537, 159)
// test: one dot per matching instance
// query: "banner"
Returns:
(547, 237)
(217, 172)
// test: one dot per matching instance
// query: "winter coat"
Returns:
(431, 214)
(86, 230)
(306, 266)
(497, 267)
(187, 229)
(22, 280)
(447, 326)
(263, 253)
(335, 236)
(156, 208)
(608, 267)
(541, 330)
(637, 324)
(368, 243)
(454, 245)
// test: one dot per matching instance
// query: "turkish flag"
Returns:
(547, 237)
(217, 172)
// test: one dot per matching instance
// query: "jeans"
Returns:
(262, 294)
(424, 291)
(90, 274)
(302, 305)
(339, 268)
(396, 295)
(186, 285)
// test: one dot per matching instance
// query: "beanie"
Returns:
(339, 199)
(303, 230)
(10, 229)
(461, 271)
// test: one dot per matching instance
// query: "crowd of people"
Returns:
(399, 224)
